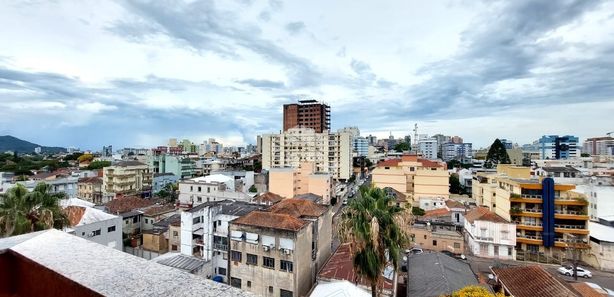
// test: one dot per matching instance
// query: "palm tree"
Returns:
(376, 230)
(22, 212)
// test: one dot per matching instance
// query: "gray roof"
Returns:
(239, 208)
(560, 169)
(129, 163)
(204, 205)
(437, 274)
(183, 262)
(309, 196)
(131, 213)
(163, 174)
(162, 225)
(110, 272)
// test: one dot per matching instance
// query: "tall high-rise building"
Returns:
(559, 147)
(599, 146)
(372, 139)
(107, 151)
(307, 114)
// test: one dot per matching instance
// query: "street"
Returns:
(481, 267)
(339, 207)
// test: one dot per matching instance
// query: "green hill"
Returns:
(10, 143)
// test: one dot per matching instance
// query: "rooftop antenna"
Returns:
(416, 137)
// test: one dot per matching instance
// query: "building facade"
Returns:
(160, 180)
(180, 166)
(331, 153)
(549, 217)
(428, 148)
(280, 251)
(457, 151)
(126, 178)
(291, 182)
(559, 147)
(599, 146)
(90, 189)
(488, 235)
(307, 114)
(95, 225)
(194, 192)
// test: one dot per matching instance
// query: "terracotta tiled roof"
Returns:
(91, 180)
(340, 266)
(159, 209)
(74, 213)
(268, 198)
(529, 281)
(271, 220)
(298, 208)
(429, 163)
(125, 204)
(586, 291)
(436, 213)
(389, 163)
(454, 204)
(483, 214)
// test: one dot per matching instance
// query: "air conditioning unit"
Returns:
(266, 248)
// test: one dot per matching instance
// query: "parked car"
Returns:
(345, 201)
(568, 270)
(414, 251)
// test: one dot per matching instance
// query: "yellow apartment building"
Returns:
(413, 176)
(549, 217)
(290, 182)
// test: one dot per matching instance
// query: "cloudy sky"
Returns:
(133, 73)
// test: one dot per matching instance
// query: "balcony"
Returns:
(198, 241)
(529, 239)
(570, 215)
(533, 226)
(568, 243)
(573, 229)
(526, 198)
(526, 212)
(481, 238)
(220, 247)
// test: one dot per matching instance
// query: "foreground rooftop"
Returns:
(54, 263)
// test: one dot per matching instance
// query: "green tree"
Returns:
(253, 189)
(22, 212)
(402, 147)
(455, 185)
(417, 211)
(376, 229)
(497, 154)
(585, 155)
(169, 192)
(98, 165)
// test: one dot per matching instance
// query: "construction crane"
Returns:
(415, 137)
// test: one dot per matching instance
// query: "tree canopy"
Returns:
(85, 158)
(98, 165)
(402, 147)
(24, 212)
(497, 154)
(475, 291)
(376, 230)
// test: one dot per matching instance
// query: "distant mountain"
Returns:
(10, 143)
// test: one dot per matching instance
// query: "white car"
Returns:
(568, 270)
(345, 201)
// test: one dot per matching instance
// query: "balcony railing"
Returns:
(570, 212)
(526, 196)
(569, 226)
(220, 246)
(484, 238)
(534, 237)
(535, 224)
(531, 210)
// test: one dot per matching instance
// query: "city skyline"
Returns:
(133, 74)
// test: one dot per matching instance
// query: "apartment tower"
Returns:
(307, 114)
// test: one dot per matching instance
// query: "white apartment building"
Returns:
(204, 232)
(196, 191)
(331, 153)
(428, 148)
(456, 151)
(93, 224)
(489, 235)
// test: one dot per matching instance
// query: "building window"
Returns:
(175, 233)
(286, 266)
(135, 220)
(174, 247)
(457, 245)
(249, 284)
(199, 189)
(191, 188)
(504, 235)
(208, 190)
(268, 262)
(221, 270)
(196, 220)
(252, 259)
(434, 242)
(424, 236)
(111, 229)
(235, 282)
(285, 293)
(146, 221)
(96, 232)
(235, 256)
(271, 289)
